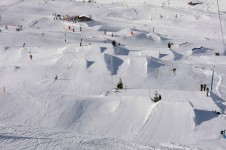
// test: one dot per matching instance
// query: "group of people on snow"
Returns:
(204, 88)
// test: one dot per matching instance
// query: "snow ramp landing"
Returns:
(168, 121)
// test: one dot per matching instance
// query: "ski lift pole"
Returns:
(222, 34)
(212, 81)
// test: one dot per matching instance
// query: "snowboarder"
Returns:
(56, 76)
(201, 87)
(204, 87)
(207, 92)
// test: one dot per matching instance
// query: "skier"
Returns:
(201, 87)
(204, 87)
(105, 32)
(24, 45)
(80, 29)
(207, 92)
(56, 76)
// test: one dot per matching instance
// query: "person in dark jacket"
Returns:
(204, 87)
(201, 87)
(169, 45)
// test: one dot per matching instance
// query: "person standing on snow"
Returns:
(30, 56)
(207, 92)
(201, 87)
(169, 45)
(204, 87)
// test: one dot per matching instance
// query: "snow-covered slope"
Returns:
(82, 109)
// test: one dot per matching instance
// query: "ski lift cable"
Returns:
(221, 25)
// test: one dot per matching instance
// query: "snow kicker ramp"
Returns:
(130, 118)
(168, 121)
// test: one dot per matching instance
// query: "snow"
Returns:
(82, 109)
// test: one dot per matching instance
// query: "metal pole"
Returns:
(221, 27)
(212, 81)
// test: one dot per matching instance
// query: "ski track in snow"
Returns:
(78, 110)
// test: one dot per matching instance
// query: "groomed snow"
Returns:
(82, 109)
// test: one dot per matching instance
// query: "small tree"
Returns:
(120, 84)
(157, 97)
(113, 43)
